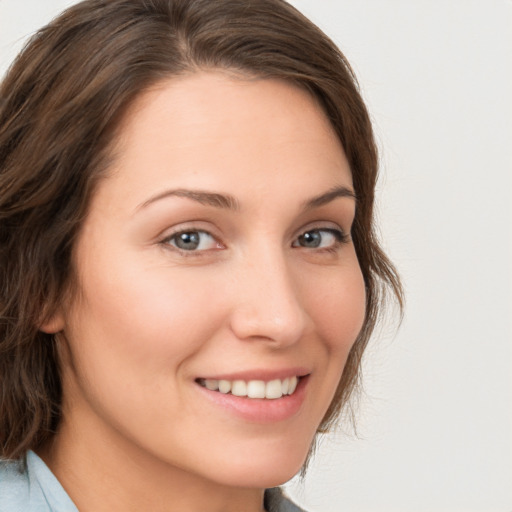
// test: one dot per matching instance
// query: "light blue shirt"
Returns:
(35, 489)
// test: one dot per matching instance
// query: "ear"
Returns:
(53, 324)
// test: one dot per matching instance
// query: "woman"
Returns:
(188, 262)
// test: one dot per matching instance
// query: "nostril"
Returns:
(267, 327)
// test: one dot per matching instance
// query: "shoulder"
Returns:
(276, 501)
(14, 487)
(29, 486)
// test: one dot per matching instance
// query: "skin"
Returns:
(149, 319)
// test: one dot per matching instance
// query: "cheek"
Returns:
(131, 337)
(132, 331)
(148, 315)
(337, 304)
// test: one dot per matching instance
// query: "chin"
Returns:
(261, 469)
(262, 477)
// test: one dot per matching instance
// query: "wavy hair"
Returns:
(60, 104)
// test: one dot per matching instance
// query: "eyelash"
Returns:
(339, 235)
(167, 241)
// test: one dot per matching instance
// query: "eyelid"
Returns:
(324, 226)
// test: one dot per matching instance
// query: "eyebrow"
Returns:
(329, 196)
(229, 202)
(207, 198)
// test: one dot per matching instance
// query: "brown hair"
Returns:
(60, 104)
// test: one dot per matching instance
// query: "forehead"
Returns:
(216, 130)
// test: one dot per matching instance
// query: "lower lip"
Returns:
(260, 410)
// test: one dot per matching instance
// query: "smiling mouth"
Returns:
(271, 390)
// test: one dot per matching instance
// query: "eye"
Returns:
(193, 240)
(320, 239)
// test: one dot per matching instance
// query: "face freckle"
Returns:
(199, 262)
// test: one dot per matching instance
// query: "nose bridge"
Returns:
(267, 303)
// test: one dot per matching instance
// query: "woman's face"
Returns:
(217, 254)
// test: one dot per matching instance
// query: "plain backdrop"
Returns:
(435, 423)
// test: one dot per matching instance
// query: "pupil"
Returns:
(188, 241)
(311, 239)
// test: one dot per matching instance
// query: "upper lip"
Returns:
(260, 374)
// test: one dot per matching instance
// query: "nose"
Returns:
(266, 303)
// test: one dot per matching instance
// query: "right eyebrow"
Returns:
(329, 196)
(207, 198)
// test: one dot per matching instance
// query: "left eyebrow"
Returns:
(328, 196)
(207, 198)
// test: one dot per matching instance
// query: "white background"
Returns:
(435, 425)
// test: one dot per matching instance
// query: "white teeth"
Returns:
(224, 386)
(254, 388)
(293, 385)
(274, 389)
(285, 386)
(212, 384)
(239, 388)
